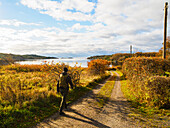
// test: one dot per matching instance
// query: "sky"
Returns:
(81, 28)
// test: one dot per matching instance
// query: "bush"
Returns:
(142, 67)
(146, 80)
(157, 90)
(29, 82)
(98, 66)
(25, 97)
(154, 92)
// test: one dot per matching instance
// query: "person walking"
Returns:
(63, 88)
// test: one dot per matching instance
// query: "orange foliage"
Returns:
(146, 82)
(25, 67)
(157, 89)
(98, 66)
(52, 70)
(144, 66)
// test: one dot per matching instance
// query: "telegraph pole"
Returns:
(165, 29)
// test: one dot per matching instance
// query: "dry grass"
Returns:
(28, 93)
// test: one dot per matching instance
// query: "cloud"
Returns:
(49, 41)
(17, 3)
(16, 23)
(59, 42)
(112, 27)
(78, 10)
(130, 15)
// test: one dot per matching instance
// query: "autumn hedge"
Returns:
(146, 80)
(157, 91)
(145, 66)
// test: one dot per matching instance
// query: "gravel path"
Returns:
(85, 113)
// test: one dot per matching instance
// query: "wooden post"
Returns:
(165, 30)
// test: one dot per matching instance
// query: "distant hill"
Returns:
(106, 57)
(32, 56)
(10, 58)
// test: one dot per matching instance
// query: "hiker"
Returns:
(63, 88)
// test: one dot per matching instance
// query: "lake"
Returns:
(72, 62)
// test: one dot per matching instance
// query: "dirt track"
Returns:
(85, 113)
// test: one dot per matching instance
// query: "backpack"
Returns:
(63, 81)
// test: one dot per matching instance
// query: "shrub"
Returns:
(146, 54)
(157, 91)
(154, 92)
(146, 82)
(24, 68)
(25, 98)
(16, 87)
(142, 67)
(98, 66)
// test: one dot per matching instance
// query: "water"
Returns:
(72, 62)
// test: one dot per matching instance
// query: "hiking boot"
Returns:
(62, 113)
(66, 106)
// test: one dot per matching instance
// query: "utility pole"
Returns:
(165, 29)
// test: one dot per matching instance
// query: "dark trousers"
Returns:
(64, 93)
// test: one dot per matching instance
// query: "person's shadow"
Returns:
(91, 121)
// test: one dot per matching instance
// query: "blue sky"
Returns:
(78, 28)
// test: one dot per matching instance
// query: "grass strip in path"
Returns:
(105, 92)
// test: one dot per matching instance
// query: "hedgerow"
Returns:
(141, 67)
(157, 91)
(146, 80)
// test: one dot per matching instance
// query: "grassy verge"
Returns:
(86, 85)
(105, 92)
(46, 103)
(151, 116)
